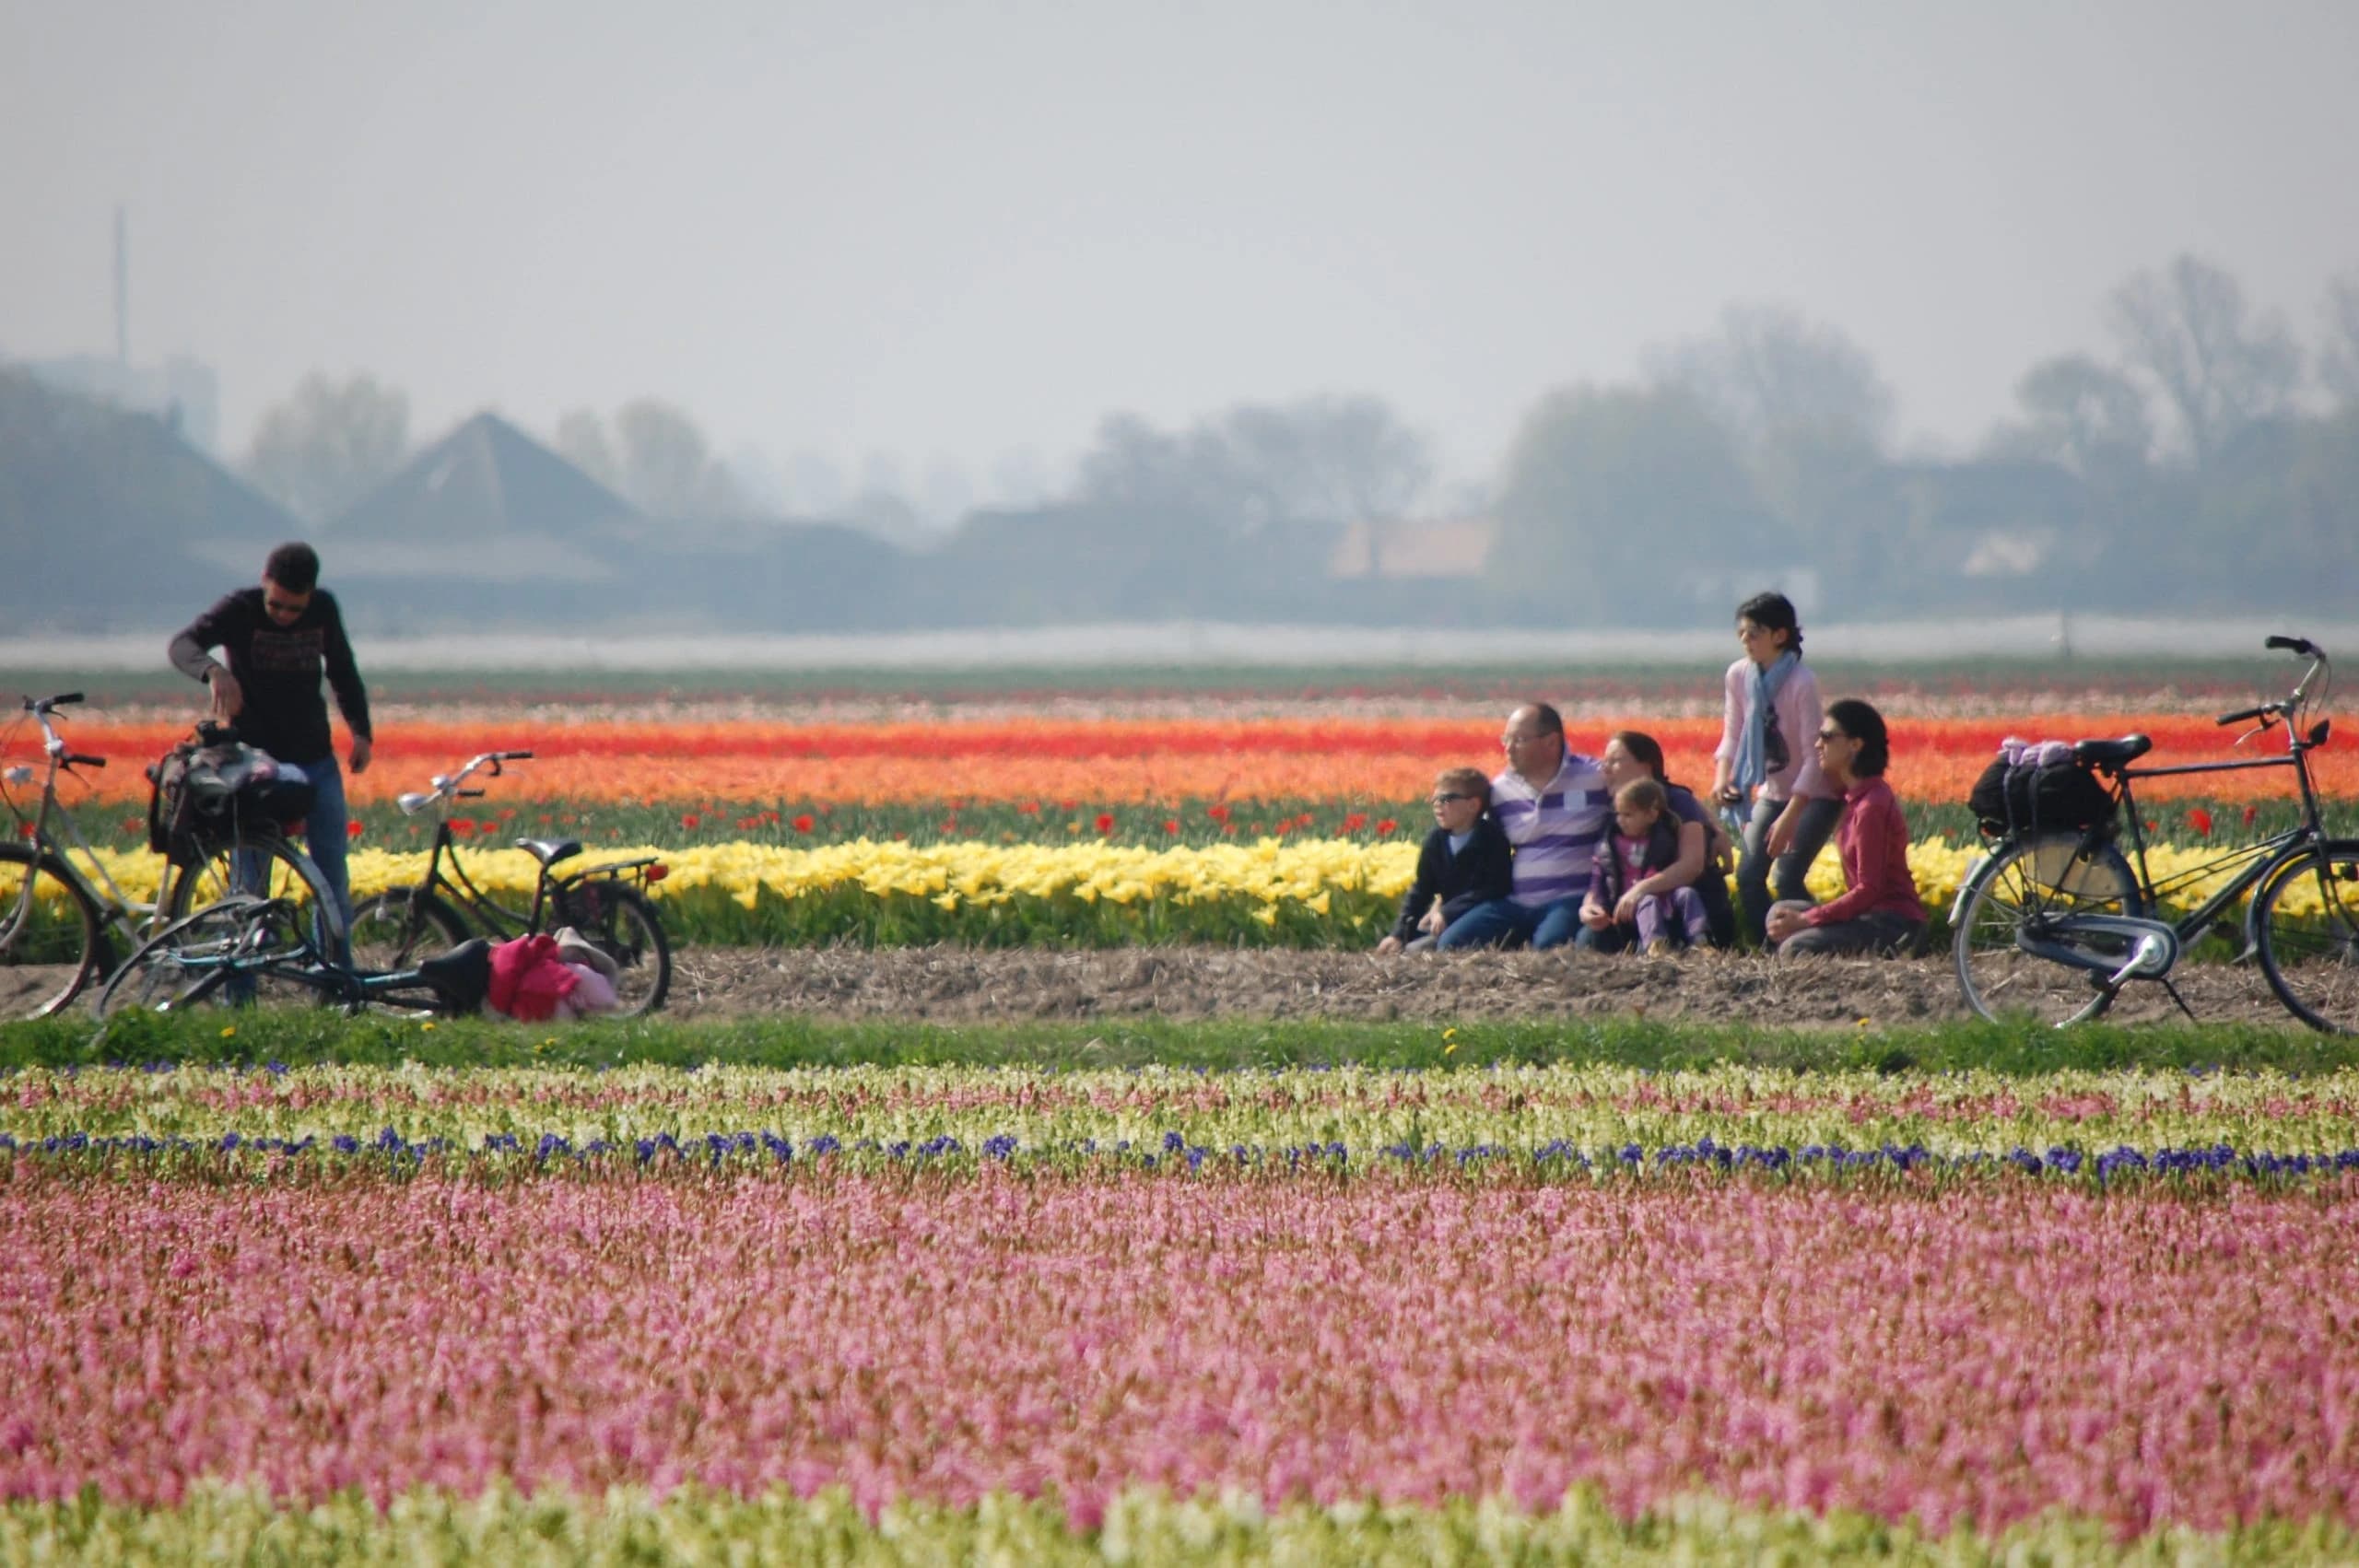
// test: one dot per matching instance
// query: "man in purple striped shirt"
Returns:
(1554, 807)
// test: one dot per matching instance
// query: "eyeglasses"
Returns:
(284, 606)
(1824, 736)
(1445, 799)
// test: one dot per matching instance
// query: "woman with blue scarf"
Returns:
(1765, 779)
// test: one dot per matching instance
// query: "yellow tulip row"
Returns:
(1303, 876)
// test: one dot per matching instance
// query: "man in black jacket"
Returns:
(1465, 862)
(275, 642)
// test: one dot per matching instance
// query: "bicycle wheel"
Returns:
(394, 929)
(2025, 884)
(620, 921)
(263, 866)
(2307, 915)
(228, 954)
(51, 941)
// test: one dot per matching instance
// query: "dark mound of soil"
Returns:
(957, 984)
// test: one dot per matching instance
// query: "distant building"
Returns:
(182, 393)
(1458, 548)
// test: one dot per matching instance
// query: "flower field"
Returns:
(1303, 892)
(1536, 1290)
(1426, 1312)
(1222, 823)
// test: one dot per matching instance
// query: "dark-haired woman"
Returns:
(1704, 849)
(1763, 772)
(1879, 911)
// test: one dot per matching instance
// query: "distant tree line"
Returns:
(2206, 461)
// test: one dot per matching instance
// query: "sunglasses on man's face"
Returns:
(1824, 736)
(277, 606)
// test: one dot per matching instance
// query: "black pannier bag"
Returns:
(206, 790)
(2021, 798)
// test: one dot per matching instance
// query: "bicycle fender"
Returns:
(607, 870)
(1974, 869)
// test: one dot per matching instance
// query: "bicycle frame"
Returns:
(2261, 859)
(304, 965)
(117, 908)
(461, 889)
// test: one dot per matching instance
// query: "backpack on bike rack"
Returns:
(203, 791)
(2017, 798)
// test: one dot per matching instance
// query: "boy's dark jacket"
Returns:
(1476, 874)
(1606, 882)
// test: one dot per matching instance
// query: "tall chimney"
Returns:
(121, 291)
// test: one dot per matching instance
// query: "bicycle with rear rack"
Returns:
(607, 902)
(2051, 926)
(65, 917)
(241, 948)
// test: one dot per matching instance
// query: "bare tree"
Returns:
(1323, 460)
(2339, 359)
(2085, 416)
(581, 441)
(329, 444)
(2188, 330)
(1771, 375)
(1328, 459)
(654, 457)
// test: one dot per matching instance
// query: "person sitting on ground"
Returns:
(1879, 912)
(1465, 862)
(1705, 853)
(1763, 772)
(1631, 865)
(1551, 805)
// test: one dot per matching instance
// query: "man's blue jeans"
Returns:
(326, 838)
(1503, 922)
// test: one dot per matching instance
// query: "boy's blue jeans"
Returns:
(1503, 922)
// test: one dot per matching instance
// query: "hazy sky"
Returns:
(948, 231)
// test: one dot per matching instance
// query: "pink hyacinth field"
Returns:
(1975, 1353)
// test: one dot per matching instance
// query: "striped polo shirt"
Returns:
(1554, 829)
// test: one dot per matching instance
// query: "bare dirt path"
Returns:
(954, 984)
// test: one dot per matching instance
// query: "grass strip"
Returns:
(299, 1036)
(627, 1525)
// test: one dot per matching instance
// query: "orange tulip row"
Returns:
(1119, 761)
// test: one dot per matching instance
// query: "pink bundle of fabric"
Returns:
(542, 978)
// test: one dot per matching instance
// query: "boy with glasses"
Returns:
(275, 642)
(1465, 862)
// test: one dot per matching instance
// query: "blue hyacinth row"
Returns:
(2219, 1159)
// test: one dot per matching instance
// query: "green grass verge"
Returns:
(626, 1526)
(302, 1036)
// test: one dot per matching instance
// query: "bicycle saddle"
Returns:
(461, 979)
(549, 851)
(2111, 753)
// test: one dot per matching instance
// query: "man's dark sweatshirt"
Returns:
(1478, 873)
(277, 668)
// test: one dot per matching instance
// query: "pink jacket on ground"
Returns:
(528, 979)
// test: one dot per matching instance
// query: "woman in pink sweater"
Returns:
(1764, 776)
(1879, 911)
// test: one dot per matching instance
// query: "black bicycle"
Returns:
(606, 902)
(2052, 925)
(242, 949)
(65, 918)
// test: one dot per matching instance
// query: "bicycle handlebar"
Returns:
(2244, 714)
(75, 759)
(2293, 645)
(43, 704)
